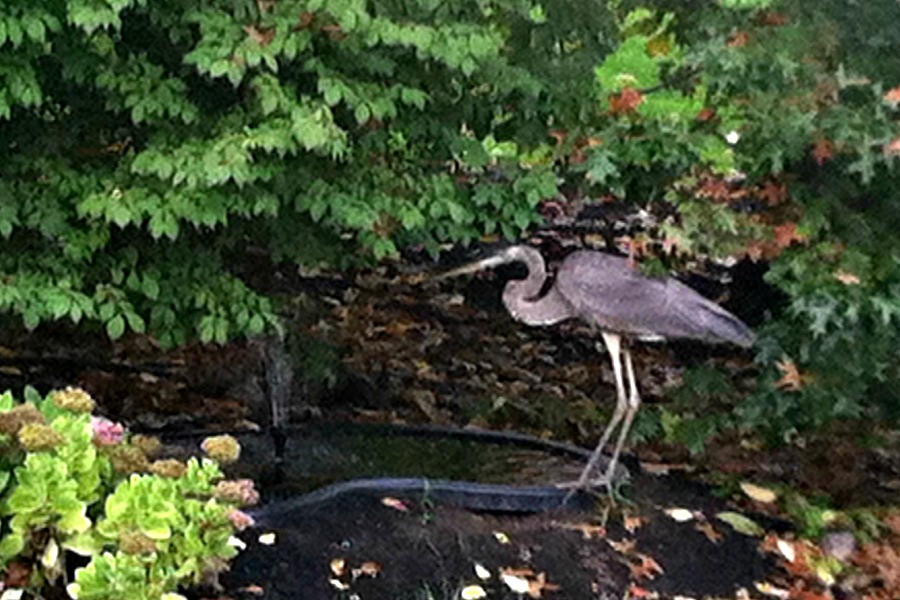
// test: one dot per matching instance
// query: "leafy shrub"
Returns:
(70, 482)
(148, 145)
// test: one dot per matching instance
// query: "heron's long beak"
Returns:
(474, 267)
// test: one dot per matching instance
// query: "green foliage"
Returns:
(146, 534)
(148, 144)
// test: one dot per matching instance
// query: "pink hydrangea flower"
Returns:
(106, 432)
(240, 519)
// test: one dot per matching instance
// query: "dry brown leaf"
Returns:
(588, 530)
(262, 36)
(338, 566)
(773, 193)
(632, 524)
(648, 568)
(823, 151)
(791, 379)
(256, 590)
(537, 586)
(786, 234)
(707, 529)
(367, 569)
(625, 547)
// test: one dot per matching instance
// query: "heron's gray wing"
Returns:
(605, 290)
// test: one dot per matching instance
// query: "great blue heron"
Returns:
(616, 298)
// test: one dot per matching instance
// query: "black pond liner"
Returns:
(305, 465)
(323, 489)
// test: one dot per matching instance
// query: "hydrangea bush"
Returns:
(73, 483)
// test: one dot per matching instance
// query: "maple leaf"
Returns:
(786, 234)
(823, 150)
(625, 101)
(892, 96)
(791, 379)
(773, 193)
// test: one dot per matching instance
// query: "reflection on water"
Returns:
(314, 457)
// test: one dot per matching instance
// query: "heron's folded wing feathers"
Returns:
(605, 290)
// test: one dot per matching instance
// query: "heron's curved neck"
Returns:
(529, 288)
(521, 296)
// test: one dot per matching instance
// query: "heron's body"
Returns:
(604, 290)
(614, 296)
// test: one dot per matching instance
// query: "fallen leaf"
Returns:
(472, 592)
(647, 568)
(266, 539)
(707, 529)
(759, 493)
(501, 537)
(635, 591)
(632, 524)
(518, 585)
(338, 566)
(680, 514)
(539, 584)
(338, 584)
(740, 523)
(764, 587)
(588, 530)
(367, 569)
(786, 549)
(395, 503)
(256, 590)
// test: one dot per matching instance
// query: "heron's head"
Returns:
(508, 255)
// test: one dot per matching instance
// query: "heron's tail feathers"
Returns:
(717, 325)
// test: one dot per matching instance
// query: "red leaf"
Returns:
(625, 101)
(823, 150)
(773, 193)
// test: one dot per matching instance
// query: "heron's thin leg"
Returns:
(634, 402)
(614, 345)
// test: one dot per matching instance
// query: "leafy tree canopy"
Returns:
(147, 142)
